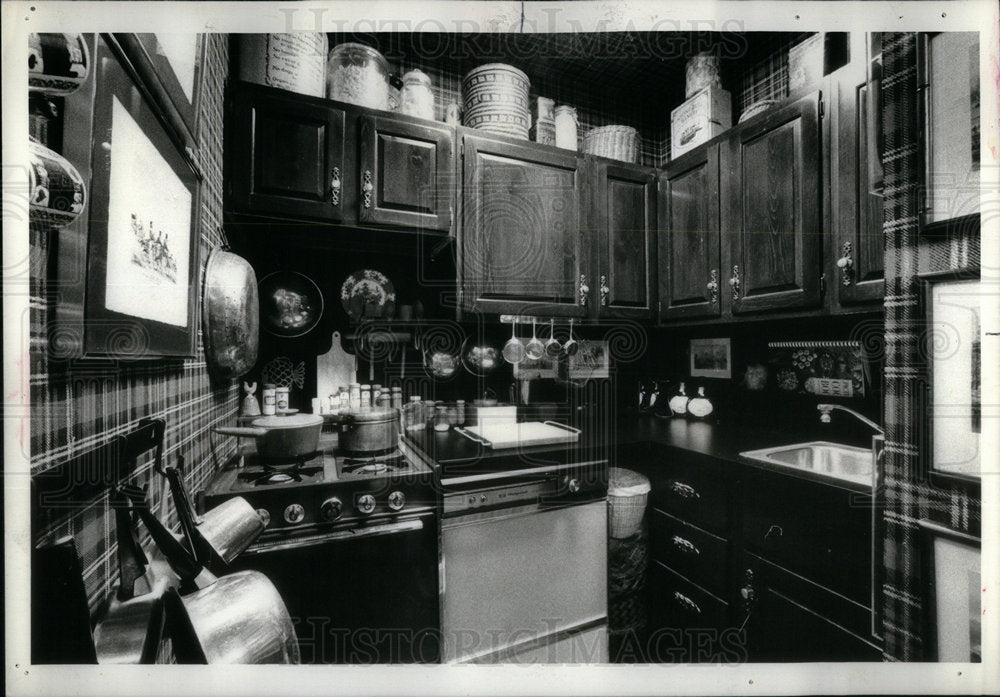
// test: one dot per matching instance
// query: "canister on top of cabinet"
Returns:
(294, 62)
(566, 127)
(416, 96)
(699, 119)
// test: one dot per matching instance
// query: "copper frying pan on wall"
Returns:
(230, 314)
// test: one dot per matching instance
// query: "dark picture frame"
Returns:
(141, 288)
(936, 342)
(173, 74)
(711, 358)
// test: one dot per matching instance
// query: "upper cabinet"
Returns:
(689, 250)
(288, 158)
(771, 211)
(406, 173)
(623, 214)
(523, 242)
(856, 247)
(286, 154)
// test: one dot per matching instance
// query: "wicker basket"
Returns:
(627, 494)
(616, 142)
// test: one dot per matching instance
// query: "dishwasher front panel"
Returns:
(517, 577)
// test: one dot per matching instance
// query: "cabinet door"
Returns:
(287, 154)
(771, 214)
(855, 212)
(624, 210)
(406, 174)
(689, 237)
(523, 246)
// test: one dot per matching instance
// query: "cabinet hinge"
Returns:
(822, 107)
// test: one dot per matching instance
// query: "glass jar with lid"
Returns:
(358, 74)
(416, 96)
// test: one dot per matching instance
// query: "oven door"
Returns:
(526, 584)
(359, 595)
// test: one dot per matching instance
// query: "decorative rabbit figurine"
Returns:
(250, 406)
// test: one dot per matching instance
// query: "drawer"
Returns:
(690, 625)
(693, 490)
(692, 552)
(820, 532)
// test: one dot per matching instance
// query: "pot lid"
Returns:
(369, 415)
(288, 421)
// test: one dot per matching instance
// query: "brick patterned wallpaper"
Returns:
(77, 406)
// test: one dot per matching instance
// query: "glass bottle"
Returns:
(441, 422)
(355, 396)
(416, 96)
(413, 418)
(566, 127)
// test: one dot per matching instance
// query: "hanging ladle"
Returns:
(571, 346)
(552, 347)
(535, 349)
(513, 350)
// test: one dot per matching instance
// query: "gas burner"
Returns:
(371, 468)
(267, 476)
(374, 464)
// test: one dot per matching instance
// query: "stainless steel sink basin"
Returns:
(832, 460)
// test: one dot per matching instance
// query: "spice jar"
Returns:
(397, 397)
(269, 400)
(441, 422)
(358, 74)
(281, 398)
(416, 97)
(566, 127)
(413, 415)
(355, 396)
(366, 397)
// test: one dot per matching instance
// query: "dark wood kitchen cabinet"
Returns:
(406, 173)
(689, 250)
(524, 247)
(855, 238)
(286, 154)
(805, 573)
(771, 211)
(624, 213)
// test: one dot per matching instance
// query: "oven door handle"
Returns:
(340, 535)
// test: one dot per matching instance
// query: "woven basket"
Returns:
(616, 142)
(496, 99)
(627, 495)
(628, 560)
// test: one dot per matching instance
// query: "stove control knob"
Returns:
(294, 513)
(366, 503)
(331, 509)
(573, 484)
(397, 500)
(265, 516)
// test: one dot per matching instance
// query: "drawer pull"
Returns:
(685, 546)
(684, 490)
(686, 602)
(367, 187)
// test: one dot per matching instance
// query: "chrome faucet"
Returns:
(826, 409)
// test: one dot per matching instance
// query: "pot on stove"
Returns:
(369, 431)
(281, 437)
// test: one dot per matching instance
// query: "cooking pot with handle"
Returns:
(369, 432)
(281, 436)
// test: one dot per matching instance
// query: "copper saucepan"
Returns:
(281, 436)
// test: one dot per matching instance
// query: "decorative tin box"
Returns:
(700, 118)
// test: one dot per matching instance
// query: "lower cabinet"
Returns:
(752, 565)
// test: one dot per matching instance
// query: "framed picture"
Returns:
(711, 358)
(142, 247)
(953, 589)
(952, 345)
(592, 361)
(171, 65)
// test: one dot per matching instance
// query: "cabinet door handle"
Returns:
(684, 490)
(686, 602)
(605, 290)
(584, 290)
(335, 186)
(846, 264)
(734, 282)
(685, 546)
(367, 187)
(713, 286)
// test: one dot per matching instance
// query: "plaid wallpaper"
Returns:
(909, 495)
(78, 405)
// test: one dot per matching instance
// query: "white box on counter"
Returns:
(700, 118)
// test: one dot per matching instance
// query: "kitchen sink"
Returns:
(824, 459)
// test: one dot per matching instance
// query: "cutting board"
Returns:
(334, 369)
(513, 435)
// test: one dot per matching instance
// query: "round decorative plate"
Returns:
(368, 294)
(290, 303)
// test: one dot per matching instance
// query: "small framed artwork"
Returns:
(711, 358)
(952, 345)
(171, 65)
(142, 261)
(953, 589)
(592, 361)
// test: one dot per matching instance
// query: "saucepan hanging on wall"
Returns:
(230, 314)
